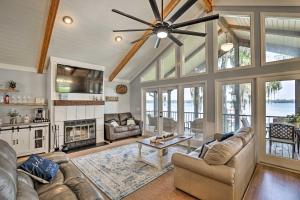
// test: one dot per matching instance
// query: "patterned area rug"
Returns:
(117, 171)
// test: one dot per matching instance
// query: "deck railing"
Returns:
(229, 120)
(188, 116)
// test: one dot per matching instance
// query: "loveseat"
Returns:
(123, 130)
(68, 184)
(228, 181)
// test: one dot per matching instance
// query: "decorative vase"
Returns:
(13, 120)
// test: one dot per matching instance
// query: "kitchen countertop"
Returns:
(6, 125)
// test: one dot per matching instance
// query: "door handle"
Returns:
(17, 141)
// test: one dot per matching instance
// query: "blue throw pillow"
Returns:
(40, 167)
(226, 136)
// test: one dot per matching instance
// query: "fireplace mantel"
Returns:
(77, 103)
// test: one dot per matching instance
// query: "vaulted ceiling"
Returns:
(89, 39)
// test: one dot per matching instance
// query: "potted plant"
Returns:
(294, 119)
(12, 85)
(13, 114)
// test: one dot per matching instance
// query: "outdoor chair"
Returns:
(282, 133)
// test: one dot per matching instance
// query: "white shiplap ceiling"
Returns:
(90, 38)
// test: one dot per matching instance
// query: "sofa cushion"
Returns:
(26, 191)
(121, 129)
(58, 157)
(82, 189)
(59, 192)
(123, 118)
(221, 152)
(23, 177)
(70, 171)
(58, 180)
(133, 127)
(109, 117)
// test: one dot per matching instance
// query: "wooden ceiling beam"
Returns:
(208, 5)
(167, 10)
(47, 34)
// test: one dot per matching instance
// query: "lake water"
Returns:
(272, 109)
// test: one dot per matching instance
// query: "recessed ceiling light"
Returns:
(68, 20)
(118, 38)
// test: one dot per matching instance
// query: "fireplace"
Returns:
(79, 133)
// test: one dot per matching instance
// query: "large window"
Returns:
(281, 38)
(168, 64)
(194, 52)
(236, 105)
(234, 41)
(149, 74)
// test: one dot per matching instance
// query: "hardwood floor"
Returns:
(267, 184)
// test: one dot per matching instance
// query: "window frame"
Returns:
(148, 68)
(218, 100)
(216, 42)
(164, 52)
(182, 57)
(263, 15)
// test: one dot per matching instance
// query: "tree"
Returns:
(272, 88)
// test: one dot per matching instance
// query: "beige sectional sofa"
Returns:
(228, 181)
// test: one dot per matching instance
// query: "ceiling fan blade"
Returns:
(142, 38)
(157, 43)
(182, 10)
(132, 17)
(196, 21)
(155, 10)
(174, 39)
(189, 33)
(131, 30)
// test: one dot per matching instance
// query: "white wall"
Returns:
(28, 83)
(123, 105)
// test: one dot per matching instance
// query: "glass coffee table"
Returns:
(161, 148)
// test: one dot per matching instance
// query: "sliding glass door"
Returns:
(151, 114)
(169, 110)
(194, 111)
(279, 121)
(161, 110)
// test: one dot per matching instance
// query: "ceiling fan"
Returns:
(163, 29)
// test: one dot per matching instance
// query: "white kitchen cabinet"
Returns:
(38, 138)
(27, 140)
(6, 136)
(21, 141)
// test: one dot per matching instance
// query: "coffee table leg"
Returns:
(160, 154)
(189, 146)
(140, 151)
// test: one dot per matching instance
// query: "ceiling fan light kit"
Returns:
(163, 29)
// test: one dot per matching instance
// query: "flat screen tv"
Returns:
(71, 79)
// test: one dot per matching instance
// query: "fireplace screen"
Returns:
(79, 130)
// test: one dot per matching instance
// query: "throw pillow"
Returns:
(114, 123)
(221, 152)
(130, 122)
(33, 176)
(226, 136)
(40, 167)
(205, 147)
